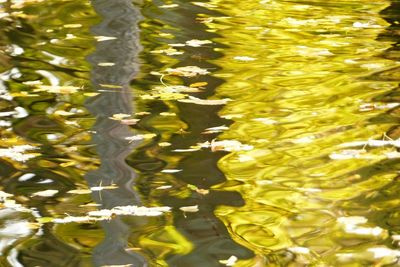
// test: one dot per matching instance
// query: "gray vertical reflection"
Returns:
(119, 21)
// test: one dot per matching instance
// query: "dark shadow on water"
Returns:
(120, 20)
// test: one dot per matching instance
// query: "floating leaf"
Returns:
(129, 121)
(32, 83)
(194, 208)
(69, 163)
(225, 145)
(63, 113)
(80, 191)
(188, 71)
(198, 190)
(168, 51)
(100, 188)
(142, 113)
(170, 171)
(232, 116)
(130, 210)
(4, 195)
(351, 154)
(45, 193)
(216, 129)
(164, 144)
(105, 64)
(140, 137)
(186, 150)
(91, 94)
(168, 114)
(229, 262)
(198, 101)
(198, 84)
(104, 38)
(57, 89)
(111, 86)
(77, 25)
(164, 187)
(77, 219)
(197, 43)
(175, 89)
(119, 116)
(17, 153)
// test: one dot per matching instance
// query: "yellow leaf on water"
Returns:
(229, 262)
(226, 145)
(72, 25)
(80, 191)
(169, 51)
(100, 188)
(119, 116)
(164, 144)
(105, 64)
(104, 38)
(63, 113)
(129, 121)
(45, 193)
(31, 83)
(199, 84)
(198, 101)
(142, 113)
(168, 114)
(140, 137)
(188, 71)
(67, 164)
(57, 89)
(194, 208)
(170, 171)
(90, 94)
(111, 86)
(197, 43)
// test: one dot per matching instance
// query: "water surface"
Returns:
(267, 131)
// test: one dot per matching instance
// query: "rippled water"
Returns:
(266, 132)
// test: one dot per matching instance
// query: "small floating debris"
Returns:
(57, 89)
(197, 43)
(230, 261)
(72, 26)
(17, 153)
(194, 208)
(188, 71)
(226, 145)
(216, 129)
(104, 38)
(171, 171)
(198, 101)
(140, 137)
(45, 193)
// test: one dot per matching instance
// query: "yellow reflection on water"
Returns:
(297, 72)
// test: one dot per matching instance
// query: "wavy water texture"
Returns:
(255, 133)
(303, 77)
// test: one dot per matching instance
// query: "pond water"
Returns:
(209, 133)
